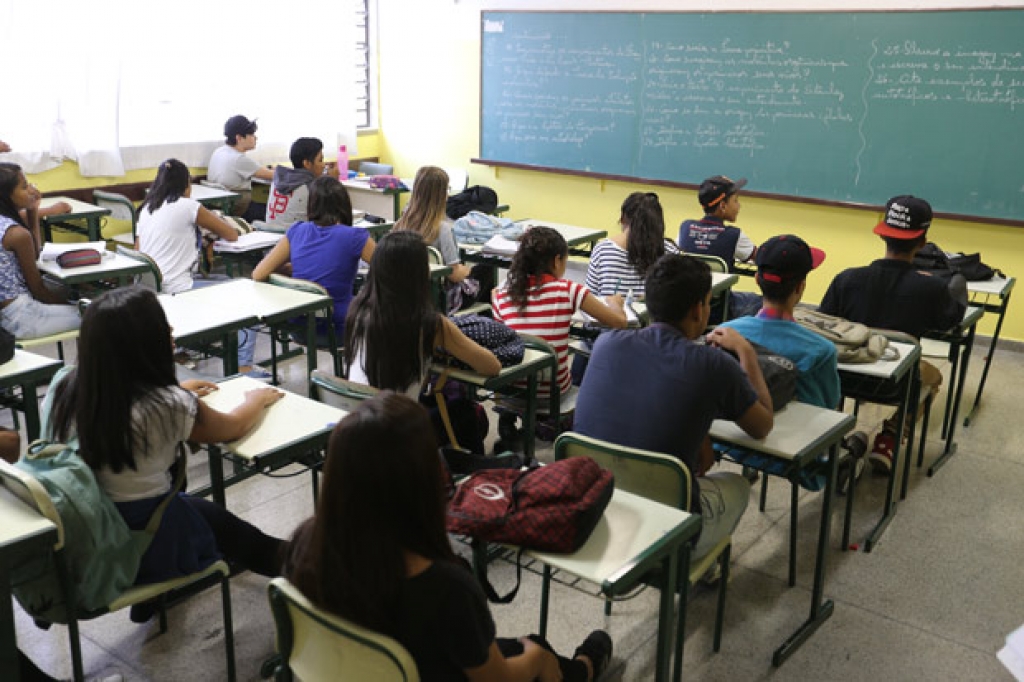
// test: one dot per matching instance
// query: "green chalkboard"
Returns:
(850, 107)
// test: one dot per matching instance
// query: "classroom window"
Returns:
(366, 64)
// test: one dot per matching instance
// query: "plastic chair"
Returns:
(349, 393)
(325, 314)
(458, 179)
(556, 410)
(30, 491)
(122, 210)
(717, 265)
(659, 477)
(318, 646)
(152, 280)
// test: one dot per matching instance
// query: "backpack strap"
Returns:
(179, 483)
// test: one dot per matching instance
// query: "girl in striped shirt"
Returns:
(620, 263)
(536, 300)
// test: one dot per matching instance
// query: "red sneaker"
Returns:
(881, 453)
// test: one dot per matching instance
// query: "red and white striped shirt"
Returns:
(548, 313)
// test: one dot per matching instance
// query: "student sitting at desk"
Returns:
(890, 294)
(130, 417)
(426, 215)
(783, 264)
(289, 192)
(710, 236)
(230, 167)
(168, 232)
(537, 300)
(324, 249)
(620, 263)
(385, 562)
(659, 389)
(28, 309)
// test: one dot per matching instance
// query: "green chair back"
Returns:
(121, 209)
(154, 279)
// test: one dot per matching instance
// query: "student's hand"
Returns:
(199, 387)
(615, 301)
(729, 339)
(4, 147)
(36, 196)
(265, 396)
(60, 208)
(549, 669)
(331, 169)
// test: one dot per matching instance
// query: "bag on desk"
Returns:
(780, 375)
(970, 266)
(475, 198)
(77, 258)
(855, 343)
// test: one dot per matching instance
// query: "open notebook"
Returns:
(248, 242)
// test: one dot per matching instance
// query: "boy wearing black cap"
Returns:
(891, 294)
(710, 235)
(783, 264)
(230, 167)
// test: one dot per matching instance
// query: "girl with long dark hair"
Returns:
(129, 416)
(393, 326)
(28, 309)
(385, 562)
(619, 264)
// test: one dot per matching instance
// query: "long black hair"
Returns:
(124, 354)
(645, 241)
(537, 251)
(329, 203)
(382, 496)
(172, 179)
(10, 178)
(393, 321)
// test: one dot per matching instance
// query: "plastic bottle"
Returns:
(343, 162)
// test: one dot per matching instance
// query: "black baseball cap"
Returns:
(717, 188)
(786, 257)
(906, 217)
(239, 125)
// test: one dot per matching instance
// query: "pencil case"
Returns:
(78, 258)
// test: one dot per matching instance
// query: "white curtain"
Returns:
(129, 84)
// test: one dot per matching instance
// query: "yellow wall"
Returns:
(429, 103)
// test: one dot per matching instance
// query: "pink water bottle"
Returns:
(343, 162)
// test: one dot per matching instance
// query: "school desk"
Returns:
(535, 363)
(801, 433)
(981, 294)
(383, 203)
(581, 241)
(81, 212)
(24, 535)
(28, 371)
(200, 315)
(634, 536)
(885, 380)
(961, 342)
(212, 197)
(248, 248)
(288, 430)
(112, 266)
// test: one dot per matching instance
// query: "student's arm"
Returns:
(535, 663)
(466, 349)
(460, 271)
(21, 243)
(59, 208)
(611, 314)
(368, 249)
(274, 261)
(746, 249)
(758, 420)
(264, 173)
(212, 426)
(209, 220)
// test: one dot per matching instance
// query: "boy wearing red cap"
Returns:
(891, 294)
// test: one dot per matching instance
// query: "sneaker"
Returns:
(712, 575)
(259, 374)
(597, 647)
(183, 359)
(881, 453)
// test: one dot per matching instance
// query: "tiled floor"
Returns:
(934, 601)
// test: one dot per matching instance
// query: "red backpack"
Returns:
(551, 508)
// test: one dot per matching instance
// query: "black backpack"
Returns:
(475, 198)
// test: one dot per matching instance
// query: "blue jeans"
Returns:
(27, 318)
